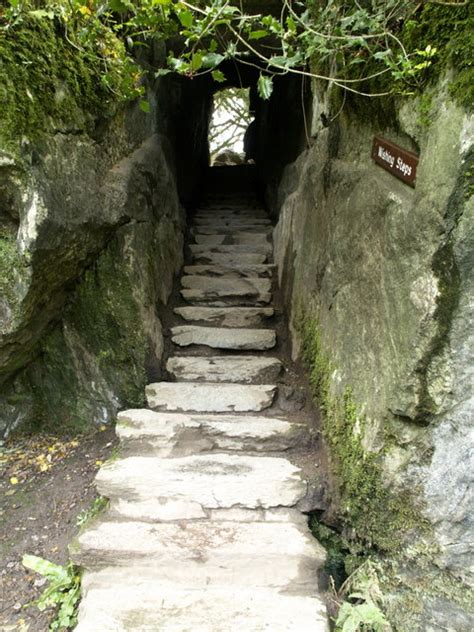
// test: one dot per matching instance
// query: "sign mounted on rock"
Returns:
(400, 162)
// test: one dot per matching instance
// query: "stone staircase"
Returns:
(204, 531)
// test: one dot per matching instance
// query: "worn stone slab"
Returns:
(227, 316)
(241, 216)
(235, 238)
(223, 338)
(236, 222)
(245, 237)
(237, 270)
(243, 369)
(209, 397)
(177, 434)
(210, 240)
(227, 230)
(204, 553)
(214, 481)
(264, 247)
(222, 299)
(115, 605)
(230, 259)
(227, 287)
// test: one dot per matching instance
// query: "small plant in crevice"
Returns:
(360, 601)
(62, 592)
(342, 557)
(96, 507)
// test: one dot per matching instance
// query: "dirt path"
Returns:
(39, 511)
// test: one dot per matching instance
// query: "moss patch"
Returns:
(449, 29)
(46, 78)
(377, 516)
(106, 311)
(95, 363)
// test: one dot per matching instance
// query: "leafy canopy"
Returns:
(356, 45)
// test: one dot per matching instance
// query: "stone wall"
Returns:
(91, 236)
(383, 274)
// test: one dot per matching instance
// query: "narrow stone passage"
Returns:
(205, 530)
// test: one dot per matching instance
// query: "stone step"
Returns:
(222, 299)
(232, 249)
(214, 230)
(232, 239)
(232, 214)
(176, 434)
(240, 369)
(221, 291)
(209, 397)
(223, 338)
(227, 316)
(232, 287)
(236, 222)
(200, 482)
(116, 605)
(230, 260)
(261, 554)
(239, 270)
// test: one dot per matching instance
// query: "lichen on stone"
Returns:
(378, 516)
(12, 266)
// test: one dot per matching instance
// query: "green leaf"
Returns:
(265, 86)
(291, 24)
(186, 18)
(161, 72)
(256, 35)
(41, 14)
(210, 60)
(218, 76)
(45, 568)
(144, 106)
(196, 61)
(120, 6)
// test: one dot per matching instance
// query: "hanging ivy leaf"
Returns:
(218, 76)
(265, 86)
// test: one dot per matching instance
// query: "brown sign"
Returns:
(400, 162)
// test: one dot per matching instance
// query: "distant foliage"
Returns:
(230, 120)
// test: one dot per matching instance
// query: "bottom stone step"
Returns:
(113, 603)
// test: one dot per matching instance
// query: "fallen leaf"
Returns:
(14, 480)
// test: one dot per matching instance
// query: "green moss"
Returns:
(106, 312)
(379, 517)
(449, 29)
(424, 109)
(96, 362)
(48, 80)
(341, 560)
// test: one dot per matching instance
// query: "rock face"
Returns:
(385, 274)
(90, 239)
